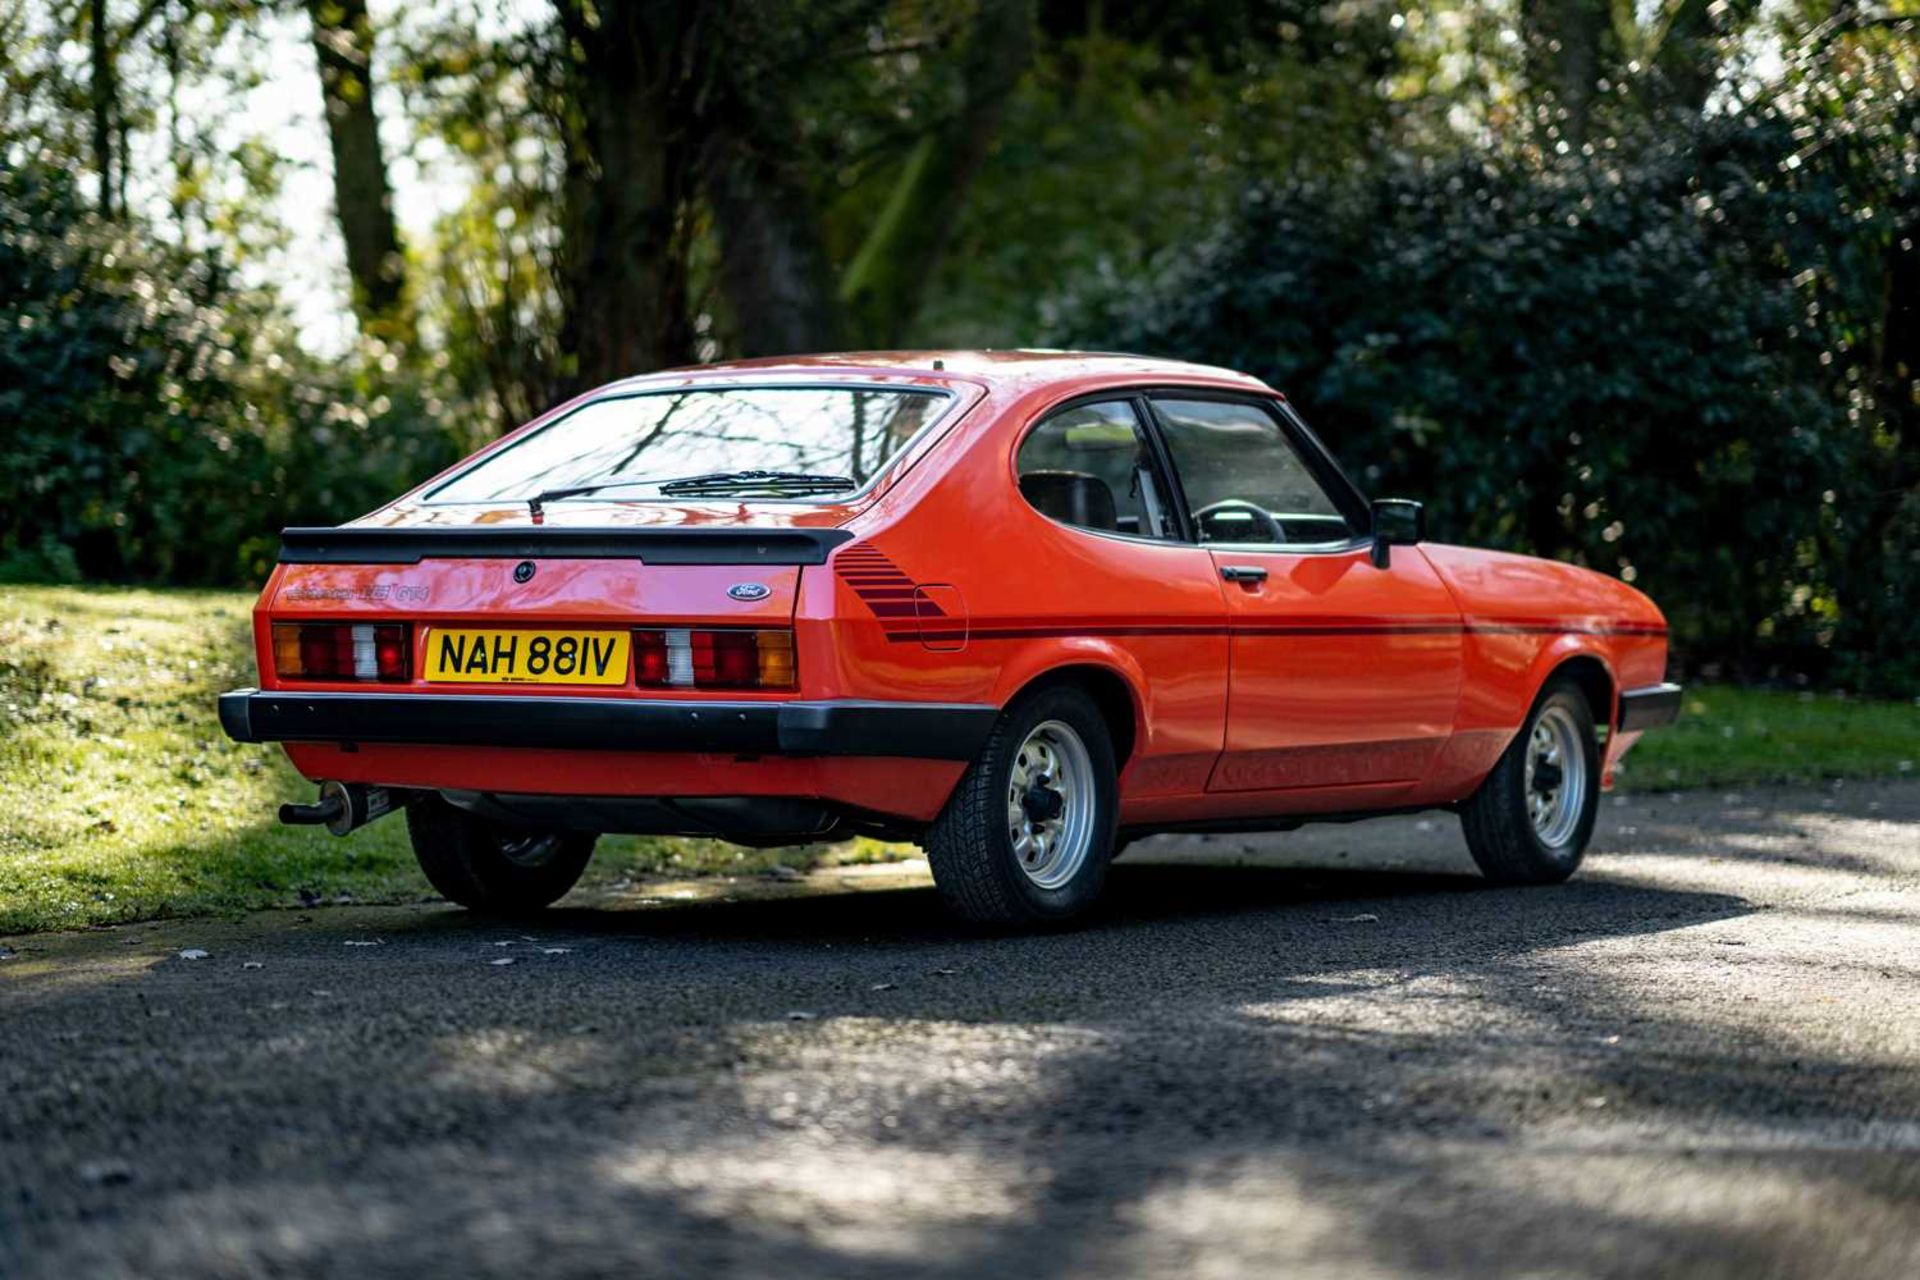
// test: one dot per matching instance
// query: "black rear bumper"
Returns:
(918, 730)
(1649, 708)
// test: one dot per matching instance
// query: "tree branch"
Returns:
(885, 282)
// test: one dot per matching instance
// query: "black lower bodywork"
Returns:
(1649, 708)
(915, 730)
(901, 730)
(756, 821)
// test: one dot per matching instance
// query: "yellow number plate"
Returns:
(527, 657)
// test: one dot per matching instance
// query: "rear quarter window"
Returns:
(1091, 467)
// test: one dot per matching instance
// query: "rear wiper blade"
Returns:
(545, 496)
(734, 481)
(714, 482)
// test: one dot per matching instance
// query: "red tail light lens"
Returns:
(695, 659)
(342, 651)
(650, 665)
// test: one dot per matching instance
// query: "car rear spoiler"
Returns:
(674, 544)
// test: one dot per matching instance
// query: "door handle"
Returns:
(1243, 573)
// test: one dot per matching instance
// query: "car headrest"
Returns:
(1072, 497)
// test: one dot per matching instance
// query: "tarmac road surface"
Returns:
(1342, 1056)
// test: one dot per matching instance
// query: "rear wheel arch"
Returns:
(1111, 691)
(1026, 836)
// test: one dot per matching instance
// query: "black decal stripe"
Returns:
(890, 594)
(883, 588)
(1262, 631)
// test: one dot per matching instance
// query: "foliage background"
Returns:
(1633, 286)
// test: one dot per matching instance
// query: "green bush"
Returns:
(1637, 361)
(157, 420)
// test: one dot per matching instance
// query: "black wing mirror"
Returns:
(1397, 522)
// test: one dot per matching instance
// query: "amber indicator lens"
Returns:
(688, 658)
(341, 651)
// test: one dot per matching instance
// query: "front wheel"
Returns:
(490, 867)
(1027, 835)
(1530, 821)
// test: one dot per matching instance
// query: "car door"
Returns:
(1118, 585)
(1341, 674)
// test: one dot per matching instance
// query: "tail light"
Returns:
(689, 659)
(341, 651)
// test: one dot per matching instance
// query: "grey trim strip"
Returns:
(917, 730)
(1649, 708)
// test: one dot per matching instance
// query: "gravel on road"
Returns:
(1328, 1053)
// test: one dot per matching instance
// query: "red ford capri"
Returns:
(1019, 607)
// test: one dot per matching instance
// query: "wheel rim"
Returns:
(1556, 777)
(1050, 805)
(530, 852)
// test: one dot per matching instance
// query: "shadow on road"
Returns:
(1239, 1067)
(1140, 900)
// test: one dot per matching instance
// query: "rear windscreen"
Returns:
(674, 443)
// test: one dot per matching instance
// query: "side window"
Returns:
(1091, 467)
(1243, 479)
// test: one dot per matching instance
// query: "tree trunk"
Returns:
(1688, 58)
(1564, 41)
(885, 283)
(103, 94)
(362, 195)
(1896, 469)
(630, 156)
(176, 144)
(773, 266)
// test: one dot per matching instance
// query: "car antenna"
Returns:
(939, 366)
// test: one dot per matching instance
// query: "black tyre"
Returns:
(1530, 821)
(1026, 836)
(490, 867)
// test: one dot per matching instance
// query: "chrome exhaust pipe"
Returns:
(344, 807)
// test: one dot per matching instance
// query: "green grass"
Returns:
(1728, 737)
(123, 800)
(120, 799)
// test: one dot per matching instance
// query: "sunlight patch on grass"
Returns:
(123, 799)
(1748, 737)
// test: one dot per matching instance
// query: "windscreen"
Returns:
(782, 442)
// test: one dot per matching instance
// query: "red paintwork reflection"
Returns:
(1343, 674)
(909, 788)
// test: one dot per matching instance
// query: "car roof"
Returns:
(1008, 369)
